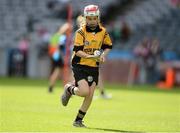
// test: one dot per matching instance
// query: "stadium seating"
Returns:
(15, 14)
(150, 18)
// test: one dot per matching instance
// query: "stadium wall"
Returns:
(3, 62)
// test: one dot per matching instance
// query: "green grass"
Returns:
(26, 105)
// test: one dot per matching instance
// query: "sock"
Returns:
(50, 88)
(71, 89)
(102, 92)
(80, 115)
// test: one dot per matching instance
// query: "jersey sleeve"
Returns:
(78, 40)
(107, 43)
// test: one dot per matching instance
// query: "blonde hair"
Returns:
(80, 21)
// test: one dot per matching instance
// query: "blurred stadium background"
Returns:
(146, 50)
(29, 24)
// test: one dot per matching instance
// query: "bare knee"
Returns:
(84, 89)
(84, 92)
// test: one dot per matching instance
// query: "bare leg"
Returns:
(100, 85)
(71, 77)
(101, 88)
(88, 98)
(53, 78)
(85, 105)
(82, 89)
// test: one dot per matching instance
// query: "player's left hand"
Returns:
(102, 58)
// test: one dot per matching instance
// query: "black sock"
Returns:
(102, 92)
(50, 88)
(80, 115)
(71, 90)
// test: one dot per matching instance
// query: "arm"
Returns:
(107, 46)
(106, 51)
(82, 54)
(104, 55)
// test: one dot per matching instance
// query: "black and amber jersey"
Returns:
(88, 41)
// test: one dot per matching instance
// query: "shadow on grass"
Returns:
(113, 130)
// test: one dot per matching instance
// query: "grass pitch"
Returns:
(26, 105)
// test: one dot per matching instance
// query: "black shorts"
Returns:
(90, 74)
(57, 63)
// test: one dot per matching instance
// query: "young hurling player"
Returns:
(80, 21)
(56, 51)
(85, 65)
